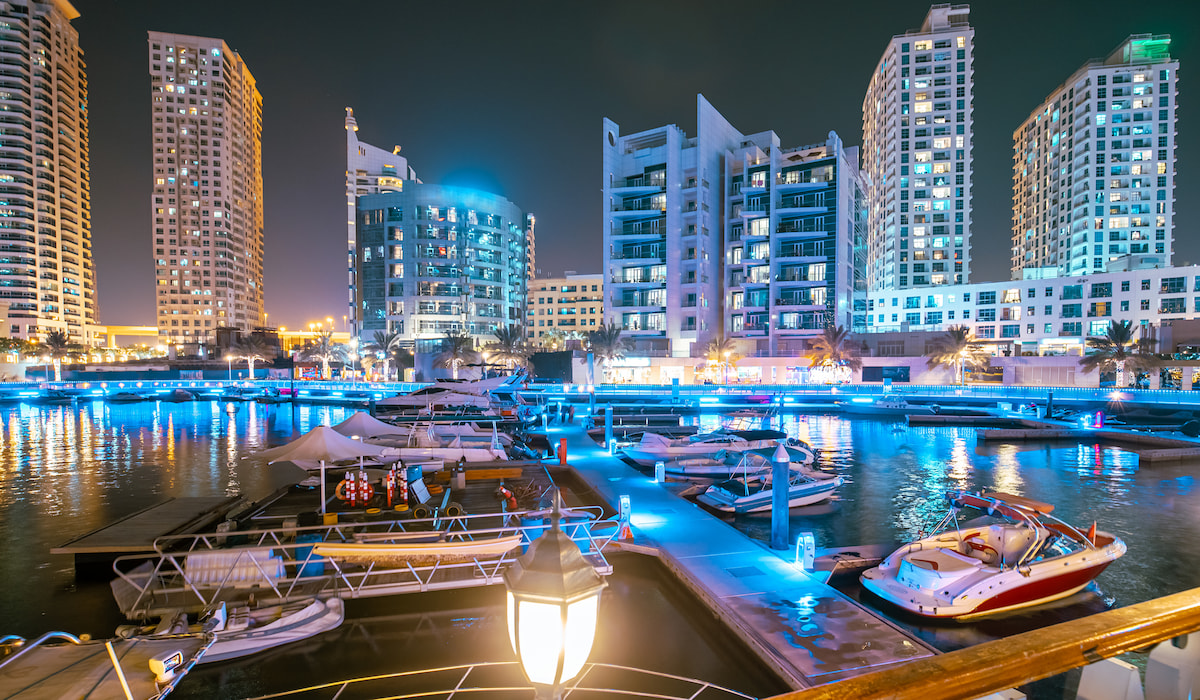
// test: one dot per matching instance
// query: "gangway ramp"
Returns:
(278, 565)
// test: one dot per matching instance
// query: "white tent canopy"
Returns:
(365, 425)
(322, 444)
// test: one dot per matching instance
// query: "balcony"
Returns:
(638, 184)
(642, 209)
(802, 204)
(792, 183)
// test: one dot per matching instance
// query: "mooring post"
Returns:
(608, 427)
(781, 478)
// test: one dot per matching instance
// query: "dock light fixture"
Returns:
(553, 601)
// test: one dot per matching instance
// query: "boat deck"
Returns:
(804, 629)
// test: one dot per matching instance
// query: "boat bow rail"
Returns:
(279, 565)
(488, 679)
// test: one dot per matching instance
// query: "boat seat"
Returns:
(941, 560)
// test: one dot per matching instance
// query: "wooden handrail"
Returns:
(1007, 663)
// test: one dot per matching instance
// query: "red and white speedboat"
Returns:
(1020, 557)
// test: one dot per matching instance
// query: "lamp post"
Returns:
(726, 367)
(553, 599)
(229, 359)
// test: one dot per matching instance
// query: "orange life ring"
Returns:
(340, 492)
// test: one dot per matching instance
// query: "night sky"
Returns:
(509, 97)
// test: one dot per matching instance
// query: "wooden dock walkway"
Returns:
(135, 534)
(1151, 449)
(804, 629)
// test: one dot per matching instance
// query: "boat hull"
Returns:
(317, 617)
(798, 495)
(990, 591)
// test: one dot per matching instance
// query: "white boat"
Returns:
(451, 451)
(1023, 557)
(84, 669)
(178, 396)
(243, 630)
(725, 464)
(753, 491)
(445, 396)
(883, 407)
(125, 397)
(657, 448)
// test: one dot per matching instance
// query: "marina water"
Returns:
(67, 470)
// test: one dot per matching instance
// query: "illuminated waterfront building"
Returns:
(1094, 167)
(432, 260)
(369, 170)
(47, 275)
(207, 191)
(563, 309)
(917, 155)
(729, 235)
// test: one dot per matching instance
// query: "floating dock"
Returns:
(136, 533)
(804, 629)
(1151, 449)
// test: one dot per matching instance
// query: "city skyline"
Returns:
(509, 101)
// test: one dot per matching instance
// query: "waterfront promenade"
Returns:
(805, 630)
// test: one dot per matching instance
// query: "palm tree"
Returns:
(722, 349)
(1119, 348)
(553, 339)
(606, 344)
(59, 346)
(457, 350)
(384, 342)
(957, 348)
(324, 349)
(253, 349)
(510, 347)
(833, 349)
(403, 358)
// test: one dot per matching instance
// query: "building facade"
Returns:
(1047, 316)
(432, 260)
(795, 244)
(207, 195)
(47, 275)
(1094, 167)
(563, 309)
(729, 235)
(369, 170)
(917, 154)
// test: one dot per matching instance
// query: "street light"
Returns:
(553, 599)
(726, 367)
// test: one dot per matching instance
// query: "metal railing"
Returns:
(192, 572)
(489, 678)
(1006, 663)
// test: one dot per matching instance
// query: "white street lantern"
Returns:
(553, 599)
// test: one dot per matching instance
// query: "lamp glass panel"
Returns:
(512, 621)
(579, 634)
(540, 636)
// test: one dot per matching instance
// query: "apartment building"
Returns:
(1094, 167)
(207, 195)
(917, 155)
(1054, 315)
(795, 243)
(47, 274)
(369, 170)
(563, 309)
(432, 260)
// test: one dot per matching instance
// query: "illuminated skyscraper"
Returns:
(1094, 168)
(208, 189)
(47, 279)
(917, 131)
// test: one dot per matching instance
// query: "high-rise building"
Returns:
(563, 310)
(730, 235)
(1094, 167)
(208, 189)
(917, 131)
(47, 278)
(369, 170)
(795, 246)
(432, 260)
(663, 218)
